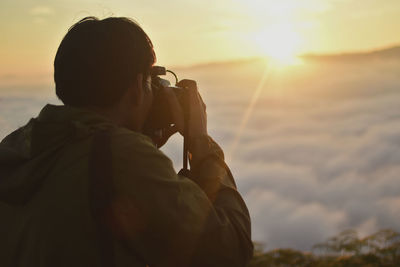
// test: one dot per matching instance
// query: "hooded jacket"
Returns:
(148, 215)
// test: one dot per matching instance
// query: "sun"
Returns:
(279, 42)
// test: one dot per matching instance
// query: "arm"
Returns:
(170, 220)
(213, 176)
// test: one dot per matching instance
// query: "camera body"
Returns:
(160, 115)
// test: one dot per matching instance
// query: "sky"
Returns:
(191, 32)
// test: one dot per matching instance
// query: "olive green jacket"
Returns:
(152, 216)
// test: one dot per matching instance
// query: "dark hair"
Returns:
(99, 59)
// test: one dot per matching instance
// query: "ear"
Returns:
(137, 90)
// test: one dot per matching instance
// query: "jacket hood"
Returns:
(26, 154)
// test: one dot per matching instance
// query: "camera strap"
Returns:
(101, 195)
(186, 116)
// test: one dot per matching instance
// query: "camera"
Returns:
(160, 115)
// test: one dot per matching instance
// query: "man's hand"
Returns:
(197, 123)
(161, 137)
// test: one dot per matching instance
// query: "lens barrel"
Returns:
(160, 115)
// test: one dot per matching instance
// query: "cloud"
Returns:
(320, 152)
(41, 11)
(281, 222)
(41, 14)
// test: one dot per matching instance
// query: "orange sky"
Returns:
(189, 32)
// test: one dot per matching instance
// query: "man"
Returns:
(80, 185)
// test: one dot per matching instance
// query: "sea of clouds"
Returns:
(318, 153)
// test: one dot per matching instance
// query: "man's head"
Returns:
(98, 60)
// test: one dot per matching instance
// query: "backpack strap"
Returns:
(101, 193)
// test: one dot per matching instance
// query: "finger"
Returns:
(202, 102)
(160, 137)
(193, 95)
(168, 132)
(189, 84)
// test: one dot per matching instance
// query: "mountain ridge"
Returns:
(389, 52)
(384, 53)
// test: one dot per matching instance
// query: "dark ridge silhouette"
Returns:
(216, 64)
(387, 53)
(345, 249)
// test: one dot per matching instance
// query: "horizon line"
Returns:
(236, 61)
(300, 55)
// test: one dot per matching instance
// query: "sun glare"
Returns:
(279, 43)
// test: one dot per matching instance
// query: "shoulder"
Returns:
(124, 139)
(133, 151)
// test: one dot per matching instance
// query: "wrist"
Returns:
(198, 147)
(201, 147)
